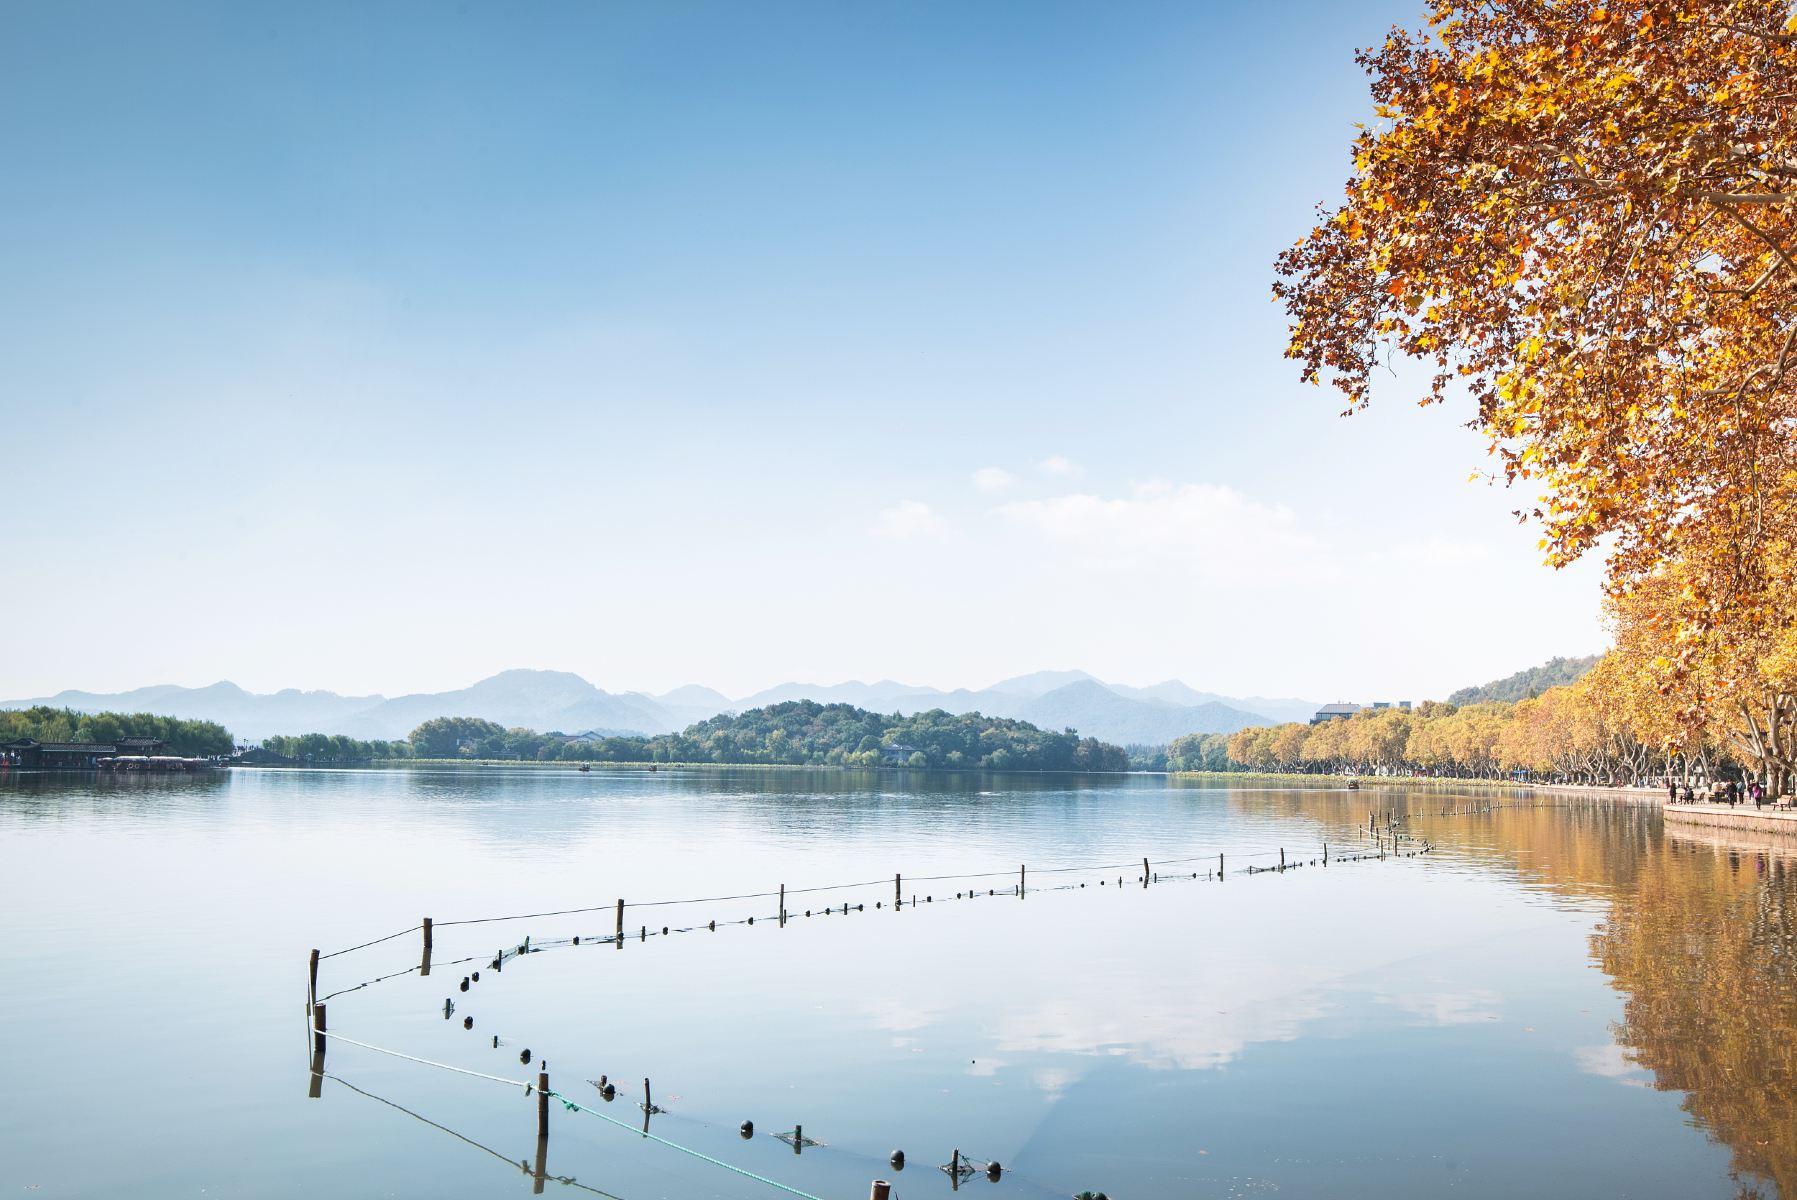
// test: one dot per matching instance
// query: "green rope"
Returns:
(574, 1106)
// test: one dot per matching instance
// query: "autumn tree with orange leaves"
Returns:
(1583, 216)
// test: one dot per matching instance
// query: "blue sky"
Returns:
(379, 347)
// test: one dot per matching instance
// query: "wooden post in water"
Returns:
(1219, 866)
(318, 1029)
(1144, 870)
(783, 904)
(1282, 858)
(898, 896)
(312, 982)
(424, 968)
(1325, 854)
(954, 1170)
(880, 1191)
(620, 938)
(1022, 877)
(648, 1101)
(542, 1104)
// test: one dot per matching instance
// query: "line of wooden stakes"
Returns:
(958, 1168)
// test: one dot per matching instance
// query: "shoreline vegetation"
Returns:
(1594, 731)
(1293, 779)
(188, 738)
(796, 733)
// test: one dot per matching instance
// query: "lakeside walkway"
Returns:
(1735, 816)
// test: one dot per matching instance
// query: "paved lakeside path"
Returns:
(1736, 816)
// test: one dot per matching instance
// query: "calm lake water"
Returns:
(1563, 999)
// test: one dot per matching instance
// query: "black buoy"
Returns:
(897, 1160)
(475, 977)
(467, 1022)
(496, 1041)
(664, 931)
(577, 939)
(525, 1056)
(608, 1092)
(993, 1171)
(464, 983)
(747, 1130)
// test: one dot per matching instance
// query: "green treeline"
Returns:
(1555, 672)
(333, 747)
(194, 739)
(797, 733)
(1199, 752)
(806, 732)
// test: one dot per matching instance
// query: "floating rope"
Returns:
(377, 941)
(569, 1180)
(800, 891)
(367, 983)
(517, 1083)
(576, 1106)
(609, 939)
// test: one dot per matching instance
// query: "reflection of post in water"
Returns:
(538, 1171)
(318, 1044)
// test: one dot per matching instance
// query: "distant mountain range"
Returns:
(559, 700)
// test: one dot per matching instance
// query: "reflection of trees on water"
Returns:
(1703, 946)
(1701, 939)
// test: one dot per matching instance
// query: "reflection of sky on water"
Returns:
(1365, 1030)
(1610, 1061)
(1448, 1008)
(1165, 1023)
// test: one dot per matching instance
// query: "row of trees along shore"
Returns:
(196, 739)
(1567, 734)
(796, 733)
(1581, 218)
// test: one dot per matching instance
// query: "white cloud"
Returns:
(1053, 1082)
(909, 519)
(1163, 1024)
(1612, 1062)
(1056, 464)
(1436, 552)
(1201, 525)
(993, 479)
(1449, 1008)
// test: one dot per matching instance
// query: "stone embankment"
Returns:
(1735, 816)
